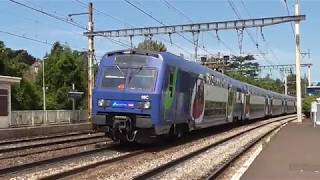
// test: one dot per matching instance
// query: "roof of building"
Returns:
(9, 79)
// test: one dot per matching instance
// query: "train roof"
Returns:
(192, 66)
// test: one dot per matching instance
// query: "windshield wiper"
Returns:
(131, 76)
(119, 70)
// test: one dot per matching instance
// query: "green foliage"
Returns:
(306, 104)
(245, 65)
(150, 45)
(63, 67)
(265, 83)
(15, 63)
(292, 85)
(26, 96)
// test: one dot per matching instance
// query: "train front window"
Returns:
(114, 77)
(134, 79)
(141, 79)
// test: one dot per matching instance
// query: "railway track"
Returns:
(19, 155)
(75, 164)
(156, 173)
(218, 171)
(20, 140)
(50, 148)
(26, 166)
(15, 145)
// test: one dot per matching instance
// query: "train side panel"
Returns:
(257, 106)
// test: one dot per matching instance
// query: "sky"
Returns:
(276, 43)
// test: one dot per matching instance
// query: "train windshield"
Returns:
(134, 79)
(114, 78)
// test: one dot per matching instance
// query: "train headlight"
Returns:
(104, 103)
(145, 105)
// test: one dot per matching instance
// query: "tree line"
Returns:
(64, 67)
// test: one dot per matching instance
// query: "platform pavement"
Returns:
(45, 130)
(293, 153)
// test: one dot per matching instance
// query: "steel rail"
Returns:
(47, 143)
(18, 168)
(83, 168)
(6, 142)
(54, 149)
(221, 168)
(162, 168)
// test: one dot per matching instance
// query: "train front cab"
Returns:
(126, 98)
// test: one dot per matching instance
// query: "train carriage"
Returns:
(141, 95)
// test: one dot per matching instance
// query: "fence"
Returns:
(40, 117)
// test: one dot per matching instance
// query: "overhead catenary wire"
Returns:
(262, 35)
(171, 6)
(246, 8)
(162, 23)
(104, 14)
(234, 9)
(26, 37)
(82, 4)
(129, 25)
(50, 15)
(288, 12)
(61, 19)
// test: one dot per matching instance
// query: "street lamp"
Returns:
(44, 91)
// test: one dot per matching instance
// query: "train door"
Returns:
(169, 95)
(270, 106)
(266, 106)
(230, 104)
(285, 106)
(247, 105)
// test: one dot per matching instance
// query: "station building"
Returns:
(5, 99)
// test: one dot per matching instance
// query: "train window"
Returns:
(171, 77)
(218, 82)
(131, 60)
(114, 78)
(212, 80)
(141, 79)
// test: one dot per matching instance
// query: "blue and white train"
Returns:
(141, 95)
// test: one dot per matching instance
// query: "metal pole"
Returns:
(73, 99)
(298, 68)
(309, 75)
(90, 60)
(44, 93)
(195, 43)
(285, 83)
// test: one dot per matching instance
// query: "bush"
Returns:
(306, 104)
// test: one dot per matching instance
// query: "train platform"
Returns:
(293, 153)
(44, 130)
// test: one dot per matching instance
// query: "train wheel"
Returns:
(177, 131)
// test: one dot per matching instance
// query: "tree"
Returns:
(291, 79)
(151, 45)
(63, 67)
(306, 104)
(245, 65)
(26, 96)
